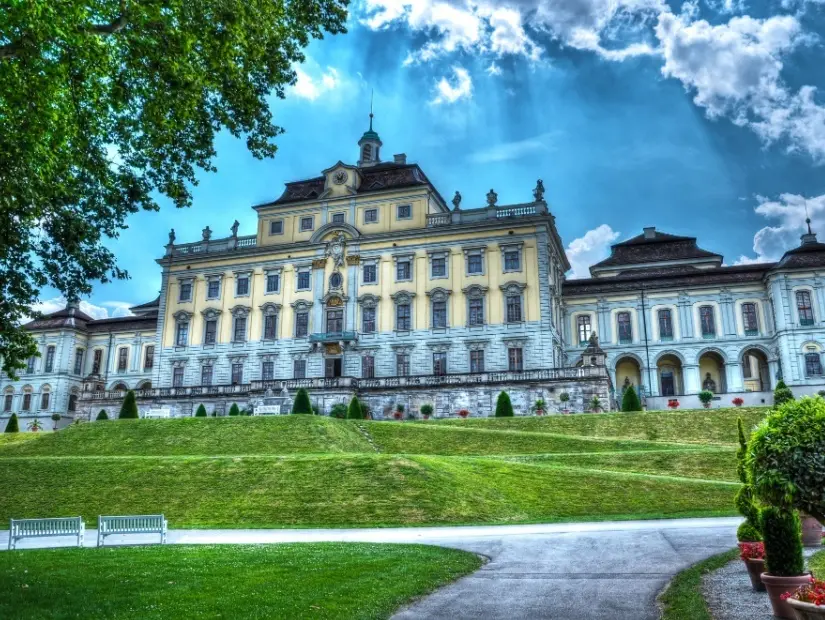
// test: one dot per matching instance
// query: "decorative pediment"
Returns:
(211, 313)
(240, 311)
(330, 230)
(402, 297)
(341, 180)
(475, 291)
(237, 359)
(476, 345)
(301, 304)
(334, 300)
(403, 349)
(268, 357)
(369, 301)
(179, 362)
(439, 346)
(270, 308)
(182, 315)
(208, 361)
(513, 288)
(515, 342)
(439, 294)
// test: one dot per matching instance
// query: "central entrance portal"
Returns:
(332, 367)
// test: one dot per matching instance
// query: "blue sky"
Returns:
(699, 118)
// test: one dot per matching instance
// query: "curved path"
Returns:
(565, 571)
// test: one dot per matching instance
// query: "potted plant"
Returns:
(808, 602)
(784, 563)
(540, 407)
(673, 403)
(564, 398)
(55, 418)
(595, 404)
(706, 396)
(748, 534)
(738, 402)
(399, 412)
(426, 411)
(811, 530)
(463, 413)
(753, 555)
(34, 426)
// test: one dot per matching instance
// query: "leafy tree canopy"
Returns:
(106, 105)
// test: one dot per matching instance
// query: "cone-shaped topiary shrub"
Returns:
(201, 412)
(354, 410)
(782, 534)
(129, 410)
(102, 415)
(13, 426)
(233, 410)
(749, 529)
(504, 408)
(781, 394)
(630, 400)
(301, 403)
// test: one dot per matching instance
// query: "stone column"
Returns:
(352, 292)
(318, 323)
(693, 384)
(734, 375)
(686, 318)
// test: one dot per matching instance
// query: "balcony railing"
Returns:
(213, 246)
(530, 209)
(333, 337)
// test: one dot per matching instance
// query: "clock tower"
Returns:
(370, 147)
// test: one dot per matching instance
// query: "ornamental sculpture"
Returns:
(172, 237)
(492, 198)
(457, 201)
(207, 233)
(538, 193)
(234, 228)
(335, 249)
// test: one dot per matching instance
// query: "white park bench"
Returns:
(40, 528)
(130, 524)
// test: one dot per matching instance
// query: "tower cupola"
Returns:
(369, 146)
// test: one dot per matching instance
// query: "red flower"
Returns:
(752, 551)
(738, 402)
(813, 593)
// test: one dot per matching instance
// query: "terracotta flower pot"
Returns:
(811, 531)
(807, 611)
(777, 586)
(755, 570)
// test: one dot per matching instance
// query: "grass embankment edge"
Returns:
(682, 598)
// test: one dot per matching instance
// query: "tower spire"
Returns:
(810, 236)
(372, 97)
(370, 144)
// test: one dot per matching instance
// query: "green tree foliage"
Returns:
(107, 107)
(234, 410)
(785, 457)
(748, 530)
(201, 411)
(781, 394)
(12, 426)
(706, 396)
(354, 410)
(129, 410)
(630, 400)
(504, 408)
(301, 403)
(339, 411)
(426, 410)
(101, 415)
(782, 534)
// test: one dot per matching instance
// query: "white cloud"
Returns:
(515, 150)
(450, 91)
(309, 87)
(493, 69)
(787, 215)
(119, 308)
(589, 249)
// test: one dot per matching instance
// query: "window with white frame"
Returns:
(339, 218)
(584, 327)
(370, 216)
(206, 374)
(403, 316)
(273, 282)
(27, 399)
(78, 361)
(30, 365)
(45, 398)
(276, 227)
(750, 318)
(514, 310)
(404, 212)
(239, 333)
(403, 269)
(707, 321)
(512, 259)
(813, 363)
(303, 282)
(475, 262)
(369, 273)
(299, 369)
(804, 308)
(72, 406)
(301, 322)
(624, 327)
(49, 366)
(307, 223)
(439, 264)
(438, 308)
(242, 285)
(213, 287)
(368, 367)
(122, 359)
(210, 330)
(8, 397)
(440, 363)
(402, 364)
(177, 376)
(267, 370)
(97, 361)
(185, 291)
(665, 317)
(149, 357)
(475, 305)
(237, 373)
(368, 319)
(477, 360)
(270, 326)
(515, 359)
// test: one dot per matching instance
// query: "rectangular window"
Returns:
(185, 291)
(475, 312)
(97, 360)
(122, 359)
(402, 364)
(210, 334)
(237, 374)
(44, 400)
(477, 361)
(240, 329)
(514, 309)
(439, 363)
(438, 267)
(665, 324)
(299, 369)
(149, 358)
(30, 365)
(404, 212)
(49, 359)
(624, 328)
(27, 401)
(403, 317)
(276, 227)
(182, 337)
(301, 324)
(750, 319)
(512, 260)
(338, 218)
(242, 286)
(307, 223)
(273, 282)
(213, 289)
(370, 274)
(206, 375)
(368, 367)
(7, 402)
(584, 328)
(439, 315)
(403, 270)
(368, 320)
(267, 371)
(707, 321)
(78, 361)
(270, 327)
(515, 358)
(474, 264)
(813, 365)
(303, 280)
(72, 403)
(335, 321)
(370, 216)
(804, 307)
(177, 377)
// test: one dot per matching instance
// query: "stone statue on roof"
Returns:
(492, 198)
(538, 193)
(457, 201)
(207, 233)
(172, 237)
(234, 228)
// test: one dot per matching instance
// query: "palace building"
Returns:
(364, 280)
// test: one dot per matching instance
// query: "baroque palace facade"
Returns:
(365, 281)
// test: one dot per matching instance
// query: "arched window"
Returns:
(122, 359)
(8, 397)
(45, 397)
(813, 362)
(366, 152)
(72, 401)
(27, 399)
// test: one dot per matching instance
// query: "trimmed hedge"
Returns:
(102, 415)
(302, 404)
(354, 410)
(129, 410)
(504, 408)
(630, 400)
(201, 412)
(12, 426)
(782, 534)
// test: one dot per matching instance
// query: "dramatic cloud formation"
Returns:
(450, 91)
(589, 249)
(514, 150)
(119, 308)
(309, 87)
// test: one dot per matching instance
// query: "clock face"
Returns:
(340, 177)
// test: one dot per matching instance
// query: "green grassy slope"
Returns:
(406, 438)
(817, 564)
(697, 425)
(198, 436)
(173, 582)
(341, 490)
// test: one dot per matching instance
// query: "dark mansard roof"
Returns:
(72, 317)
(653, 246)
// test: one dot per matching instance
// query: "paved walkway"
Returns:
(566, 571)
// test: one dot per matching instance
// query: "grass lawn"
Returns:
(817, 564)
(683, 599)
(327, 580)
